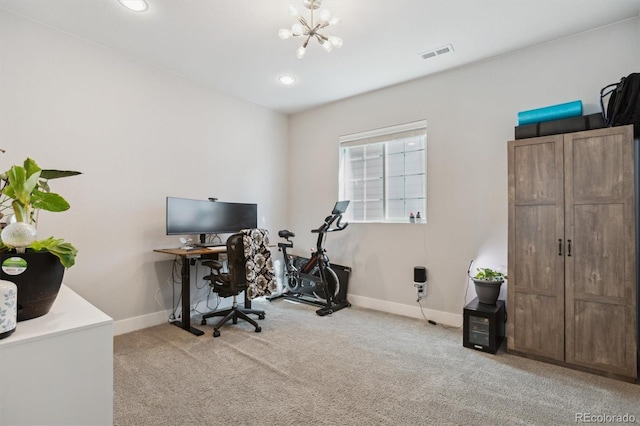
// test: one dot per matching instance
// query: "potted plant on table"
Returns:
(35, 266)
(487, 283)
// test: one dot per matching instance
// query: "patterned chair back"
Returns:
(260, 272)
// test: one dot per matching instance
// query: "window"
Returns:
(383, 173)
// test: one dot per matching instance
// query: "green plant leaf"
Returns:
(20, 186)
(49, 201)
(489, 274)
(31, 167)
(57, 246)
(55, 174)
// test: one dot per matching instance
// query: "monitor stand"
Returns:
(203, 242)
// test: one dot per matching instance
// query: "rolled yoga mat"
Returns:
(554, 112)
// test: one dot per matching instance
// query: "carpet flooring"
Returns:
(354, 367)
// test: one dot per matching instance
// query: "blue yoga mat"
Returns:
(554, 112)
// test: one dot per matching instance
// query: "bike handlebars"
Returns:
(328, 221)
(339, 227)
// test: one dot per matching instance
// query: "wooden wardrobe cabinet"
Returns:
(572, 251)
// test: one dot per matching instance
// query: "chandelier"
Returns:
(311, 29)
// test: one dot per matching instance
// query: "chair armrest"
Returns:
(213, 264)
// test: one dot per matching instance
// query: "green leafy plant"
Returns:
(487, 274)
(24, 191)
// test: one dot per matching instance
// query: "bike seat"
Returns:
(285, 233)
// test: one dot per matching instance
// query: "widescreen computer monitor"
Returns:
(201, 217)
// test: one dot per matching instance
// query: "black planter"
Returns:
(487, 291)
(38, 277)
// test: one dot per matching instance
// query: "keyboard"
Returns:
(209, 244)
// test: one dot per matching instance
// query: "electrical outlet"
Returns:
(421, 290)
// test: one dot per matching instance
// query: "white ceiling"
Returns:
(232, 45)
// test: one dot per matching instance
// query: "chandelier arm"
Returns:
(321, 38)
(304, 22)
(316, 28)
(306, 42)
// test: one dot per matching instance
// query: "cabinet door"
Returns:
(536, 263)
(600, 275)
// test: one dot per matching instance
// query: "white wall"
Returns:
(471, 113)
(138, 134)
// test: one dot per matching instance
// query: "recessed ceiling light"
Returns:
(135, 5)
(287, 79)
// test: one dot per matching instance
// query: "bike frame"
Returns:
(320, 260)
(315, 260)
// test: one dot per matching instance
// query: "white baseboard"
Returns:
(137, 323)
(452, 320)
(445, 318)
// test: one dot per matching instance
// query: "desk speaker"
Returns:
(420, 274)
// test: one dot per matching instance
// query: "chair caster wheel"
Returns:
(216, 333)
(258, 329)
(261, 316)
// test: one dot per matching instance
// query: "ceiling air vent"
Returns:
(437, 52)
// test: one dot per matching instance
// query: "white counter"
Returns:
(58, 369)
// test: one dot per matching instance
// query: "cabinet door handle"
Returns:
(559, 246)
(569, 248)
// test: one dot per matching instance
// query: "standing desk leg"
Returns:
(185, 324)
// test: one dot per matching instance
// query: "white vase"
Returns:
(8, 308)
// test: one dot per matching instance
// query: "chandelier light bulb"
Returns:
(336, 41)
(294, 12)
(334, 20)
(327, 46)
(296, 30)
(285, 34)
(325, 15)
(301, 52)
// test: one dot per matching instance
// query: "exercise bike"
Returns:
(314, 281)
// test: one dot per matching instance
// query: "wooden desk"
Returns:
(186, 256)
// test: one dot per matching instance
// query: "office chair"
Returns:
(230, 284)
